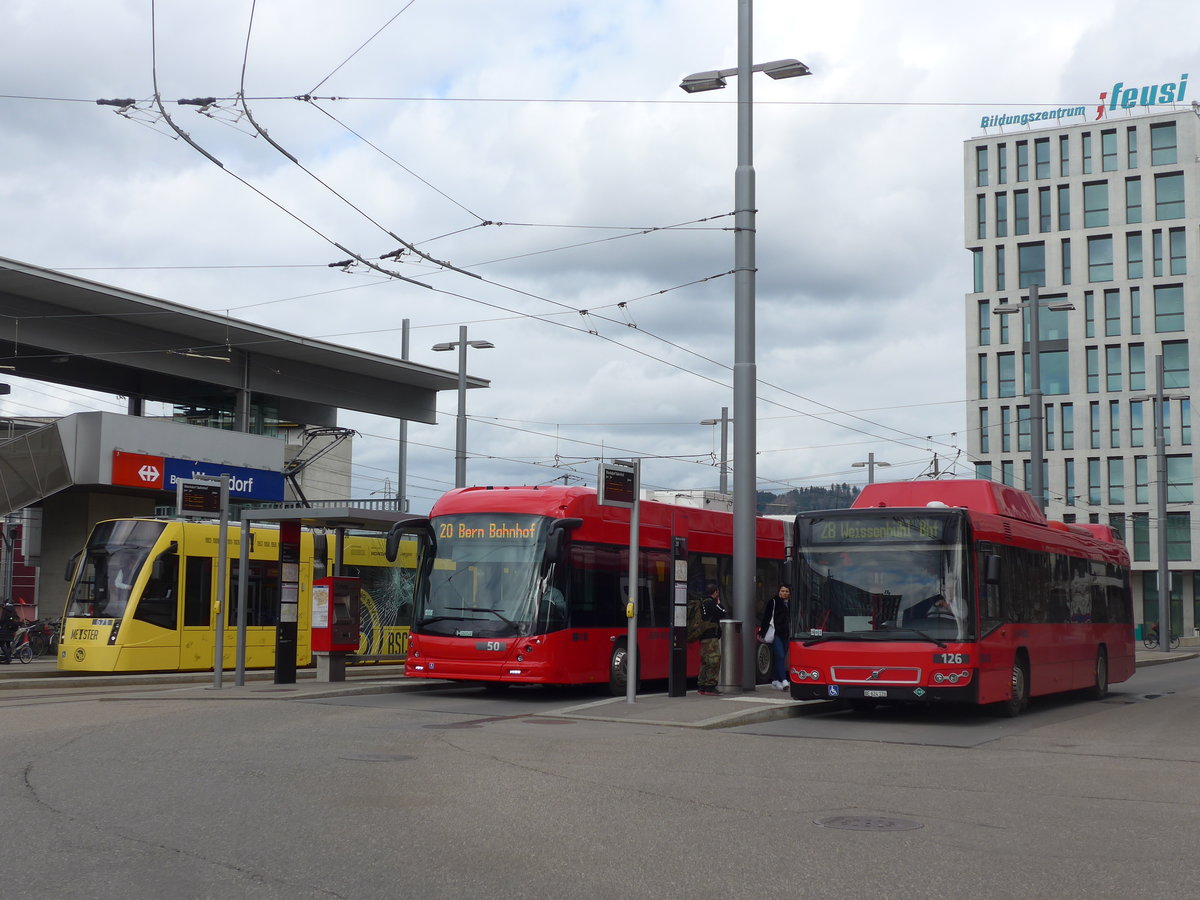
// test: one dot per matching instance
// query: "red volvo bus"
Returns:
(529, 585)
(956, 591)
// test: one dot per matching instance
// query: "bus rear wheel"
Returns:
(1100, 689)
(762, 663)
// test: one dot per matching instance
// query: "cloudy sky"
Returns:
(545, 146)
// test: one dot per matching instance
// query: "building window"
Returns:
(1007, 373)
(1112, 313)
(1093, 369)
(1023, 429)
(1135, 310)
(1020, 212)
(1093, 481)
(1004, 324)
(977, 262)
(1055, 372)
(1177, 239)
(1112, 368)
(1163, 150)
(983, 376)
(1001, 164)
(1068, 426)
(1094, 423)
(1086, 153)
(1095, 204)
(1031, 264)
(1116, 481)
(1131, 146)
(1179, 543)
(1141, 537)
(1064, 156)
(1156, 248)
(985, 323)
(1133, 201)
(1005, 429)
(1114, 424)
(1137, 424)
(1133, 254)
(1168, 196)
(1044, 209)
(1069, 479)
(980, 216)
(1185, 421)
(1064, 207)
(1179, 479)
(1141, 479)
(1048, 419)
(1108, 150)
(983, 471)
(1022, 160)
(1137, 367)
(1089, 314)
(1100, 258)
(1002, 214)
(985, 440)
(1116, 521)
(1168, 308)
(981, 166)
(1175, 364)
(1041, 155)
(1006, 472)
(1066, 260)
(1000, 277)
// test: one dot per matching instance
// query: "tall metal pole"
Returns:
(631, 644)
(1160, 453)
(745, 376)
(402, 467)
(460, 437)
(1037, 408)
(724, 449)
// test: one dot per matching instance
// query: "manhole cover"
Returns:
(379, 757)
(867, 823)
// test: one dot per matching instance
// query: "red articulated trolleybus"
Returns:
(529, 585)
(956, 591)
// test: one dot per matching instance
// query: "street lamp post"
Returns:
(1037, 408)
(724, 423)
(745, 491)
(460, 437)
(871, 464)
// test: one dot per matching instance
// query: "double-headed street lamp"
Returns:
(871, 465)
(1037, 409)
(724, 423)
(460, 438)
(745, 488)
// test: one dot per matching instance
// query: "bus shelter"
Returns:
(338, 519)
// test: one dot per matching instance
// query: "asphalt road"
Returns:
(172, 791)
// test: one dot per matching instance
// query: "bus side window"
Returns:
(197, 591)
(159, 604)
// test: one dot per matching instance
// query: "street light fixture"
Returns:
(871, 464)
(724, 423)
(460, 437)
(745, 488)
(1037, 409)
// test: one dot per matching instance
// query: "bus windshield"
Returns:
(487, 576)
(876, 575)
(111, 562)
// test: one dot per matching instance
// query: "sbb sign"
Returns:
(160, 473)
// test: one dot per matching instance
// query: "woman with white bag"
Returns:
(774, 630)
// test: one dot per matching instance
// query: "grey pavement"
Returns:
(727, 710)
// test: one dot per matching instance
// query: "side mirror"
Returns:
(71, 564)
(556, 540)
(419, 526)
(992, 573)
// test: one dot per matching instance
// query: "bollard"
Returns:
(730, 679)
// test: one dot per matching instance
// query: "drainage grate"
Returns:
(867, 823)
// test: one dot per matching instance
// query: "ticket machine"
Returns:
(335, 617)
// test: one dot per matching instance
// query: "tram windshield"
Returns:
(487, 578)
(883, 576)
(112, 560)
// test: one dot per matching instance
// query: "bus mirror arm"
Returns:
(419, 526)
(992, 575)
(71, 564)
(556, 540)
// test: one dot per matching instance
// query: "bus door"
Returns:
(150, 638)
(196, 638)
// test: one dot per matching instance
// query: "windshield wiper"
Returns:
(921, 635)
(834, 636)
(495, 612)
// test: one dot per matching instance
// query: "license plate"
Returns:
(874, 693)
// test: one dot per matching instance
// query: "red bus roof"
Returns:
(976, 495)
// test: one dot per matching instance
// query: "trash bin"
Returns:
(731, 655)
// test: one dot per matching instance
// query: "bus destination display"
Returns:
(877, 528)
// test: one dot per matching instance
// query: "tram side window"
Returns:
(159, 603)
(262, 592)
(595, 593)
(197, 591)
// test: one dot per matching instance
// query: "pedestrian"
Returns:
(774, 630)
(9, 623)
(711, 614)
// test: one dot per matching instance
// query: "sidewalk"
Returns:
(690, 711)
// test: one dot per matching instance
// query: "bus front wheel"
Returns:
(618, 670)
(1015, 704)
(1100, 688)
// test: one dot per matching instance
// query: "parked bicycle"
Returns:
(1150, 638)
